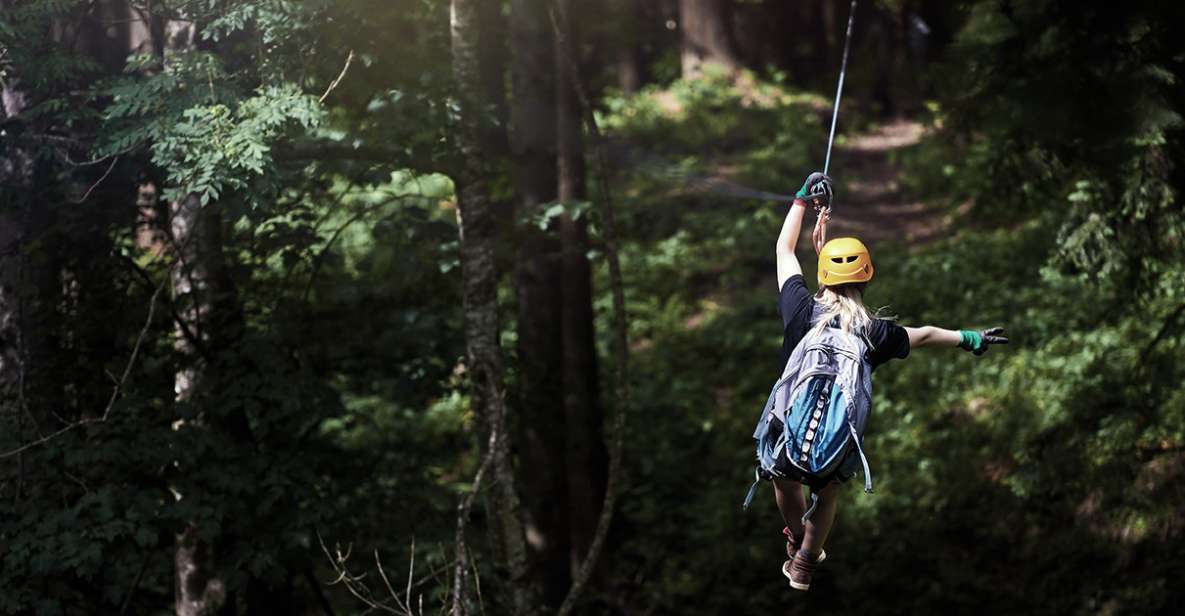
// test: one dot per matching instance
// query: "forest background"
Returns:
(376, 306)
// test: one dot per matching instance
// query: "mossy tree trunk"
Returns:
(479, 291)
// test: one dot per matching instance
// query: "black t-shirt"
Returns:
(796, 304)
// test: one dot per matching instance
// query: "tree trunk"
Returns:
(881, 34)
(16, 176)
(16, 180)
(479, 292)
(30, 381)
(619, 340)
(52, 265)
(537, 280)
(706, 35)
(493, 57)
(209, 322)
(10, 329)
(627, 46)
(198, 586)
(828, 41)
(199, 589)
(584, 449)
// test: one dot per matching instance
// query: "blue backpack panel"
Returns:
(817, 411)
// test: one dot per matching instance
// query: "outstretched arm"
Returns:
(975, 341)
(932, 336)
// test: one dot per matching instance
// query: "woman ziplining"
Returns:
(811, 430)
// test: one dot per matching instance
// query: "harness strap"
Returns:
(811, 510)
(863, 459)
(867, 341)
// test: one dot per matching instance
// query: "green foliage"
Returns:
(275, 22)
(1008, 475)
(336, 405)
(331, 407)
(715, 113)
(213, 149)
(208, 142)
(1079, 106)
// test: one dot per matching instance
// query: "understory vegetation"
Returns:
(282, 380)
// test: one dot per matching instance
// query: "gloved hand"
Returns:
(978, 342)
(816, 190)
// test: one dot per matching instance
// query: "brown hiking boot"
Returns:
(792, 543)
(800, 570)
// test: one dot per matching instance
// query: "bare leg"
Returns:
(791, 503)
(821, 520)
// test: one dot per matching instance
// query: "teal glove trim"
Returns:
(802, 192)
(972, 341)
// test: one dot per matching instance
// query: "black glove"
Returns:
(978, 341)
(816, 190)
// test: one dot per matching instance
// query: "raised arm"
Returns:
(788, 264)
(975, 341)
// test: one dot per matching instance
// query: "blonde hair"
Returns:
(847, 303)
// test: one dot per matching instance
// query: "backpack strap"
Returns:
(752, 489)
(811, 510)
(863, 334)
(863, 458)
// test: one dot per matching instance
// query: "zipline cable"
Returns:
(843, 67)
(823, 213)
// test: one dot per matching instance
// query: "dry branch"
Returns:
(119, 385)
(340, 76)
(90, 190)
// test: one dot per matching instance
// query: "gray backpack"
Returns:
(817, 411)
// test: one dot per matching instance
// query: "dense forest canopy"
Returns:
(468, 306)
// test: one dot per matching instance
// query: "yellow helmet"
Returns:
(844, 260)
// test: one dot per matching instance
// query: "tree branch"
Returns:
(1164, 330)
(87, 195)
(333, 84)
(119, 385)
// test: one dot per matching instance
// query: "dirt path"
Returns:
(870, 203)
(873, 207)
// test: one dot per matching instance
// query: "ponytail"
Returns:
(845, 302)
